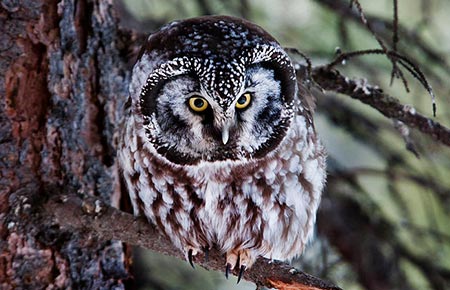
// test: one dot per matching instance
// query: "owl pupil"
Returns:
(199, 103)
(242, 100)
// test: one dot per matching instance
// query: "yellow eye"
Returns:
(198, 104)
(244, 101)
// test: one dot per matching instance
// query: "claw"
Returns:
(241, 273)
(206, 251)
(227, 270)
(190, 258)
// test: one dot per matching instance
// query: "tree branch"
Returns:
(92, 217)
(387, 105)
(384, 29)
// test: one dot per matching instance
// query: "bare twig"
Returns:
(395, 25)
(408, 64)
(404, 131)
(384, 27)
(93, 217)
(307, 60)
(392, 55)
(390, 107)
(395, 70)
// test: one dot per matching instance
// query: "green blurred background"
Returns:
(384, 221)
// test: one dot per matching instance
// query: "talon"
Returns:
(190, 258)
(206, 251)
(241, 273)
(227, 270)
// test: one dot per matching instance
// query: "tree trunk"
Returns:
(62, 85)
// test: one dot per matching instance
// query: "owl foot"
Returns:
(242, 258)
(192, 252)
(206, 252)
(241, 272)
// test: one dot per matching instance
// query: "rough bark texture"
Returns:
(63, 79)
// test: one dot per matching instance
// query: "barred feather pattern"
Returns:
(251, 192)
(265, 205)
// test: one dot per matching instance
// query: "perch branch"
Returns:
(390, 107)
(92, 217)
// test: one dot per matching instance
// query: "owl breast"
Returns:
(264, 205)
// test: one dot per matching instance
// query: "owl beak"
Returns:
(225, 134)
(224, 125)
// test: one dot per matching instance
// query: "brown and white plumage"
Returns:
(218, 148)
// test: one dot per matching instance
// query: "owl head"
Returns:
(212, 88)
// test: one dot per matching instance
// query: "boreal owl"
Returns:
(217, 146)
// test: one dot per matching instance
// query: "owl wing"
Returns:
(307, 100)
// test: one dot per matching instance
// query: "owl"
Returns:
(217, 146)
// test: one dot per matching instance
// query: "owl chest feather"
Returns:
(218, 147)
(267, 204)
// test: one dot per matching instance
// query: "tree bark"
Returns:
(64, 78)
